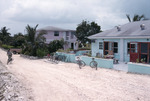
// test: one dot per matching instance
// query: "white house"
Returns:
(55, 33)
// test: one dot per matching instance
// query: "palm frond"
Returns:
(128, 16)
(141, 17)
(40, 36)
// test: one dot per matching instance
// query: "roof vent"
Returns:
(118, 28)
(142, 26)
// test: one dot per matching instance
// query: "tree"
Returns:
(34, 41)
(55, 45)
(4, 35)
(18, 40)
(85, 29)
(136, 18)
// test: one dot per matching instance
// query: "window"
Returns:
(115, 47)
(67, 33)
(67, 38)
(144, 47)
(72, 35)
(56, 33)
(106, 48)
(100, 45)
(133, 47)
(128, 48)
(110, 48)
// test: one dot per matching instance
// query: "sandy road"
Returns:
(66, 82)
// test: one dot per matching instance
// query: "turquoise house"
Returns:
(127, 43)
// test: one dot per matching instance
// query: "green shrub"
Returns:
(41, 52)
(60, 50)
(0, 43)
(7, 46)
(68, 50)
(26, 53)
(85, 48)
(55, 45)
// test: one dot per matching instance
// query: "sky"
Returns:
(67, 14)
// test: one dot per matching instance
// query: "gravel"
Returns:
(10, 87)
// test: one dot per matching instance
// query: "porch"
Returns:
(135, 51)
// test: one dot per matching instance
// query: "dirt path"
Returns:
(66, 82)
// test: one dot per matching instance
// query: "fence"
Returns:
(82, 52)
(108, 63)
(105, 63)
(69, 57)
(139, 68)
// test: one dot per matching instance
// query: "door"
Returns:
(134, 52)
(72, 45)
(108, 48)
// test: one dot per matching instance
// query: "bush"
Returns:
(0, 43)
(41, 52)
(60, 50)
(26, 53)
(84, 48)
(7, 46)
(55, 45)
(68, 50)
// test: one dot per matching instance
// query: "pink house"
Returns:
(55, 33)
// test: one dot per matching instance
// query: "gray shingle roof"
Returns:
(52, 28)
(129, 30)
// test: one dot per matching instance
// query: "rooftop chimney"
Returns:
(142, 26)
(118, 28)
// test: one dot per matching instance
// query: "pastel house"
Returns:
(127, 43)
(55, 33)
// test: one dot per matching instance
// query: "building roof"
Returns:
(129, 30)
(52, 28)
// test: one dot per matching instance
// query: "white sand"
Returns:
(66, 82)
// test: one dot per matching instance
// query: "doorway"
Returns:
(134, 52)
(72, 45)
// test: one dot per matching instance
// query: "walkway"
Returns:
(122, 66)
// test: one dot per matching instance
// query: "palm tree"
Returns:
(4, 35)
(34, 40)
(136, 18)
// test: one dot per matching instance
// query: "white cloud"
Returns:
(67, 13)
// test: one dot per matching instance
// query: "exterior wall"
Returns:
(95, 47)
(122, 48)
(62, 34)
(50, 36)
